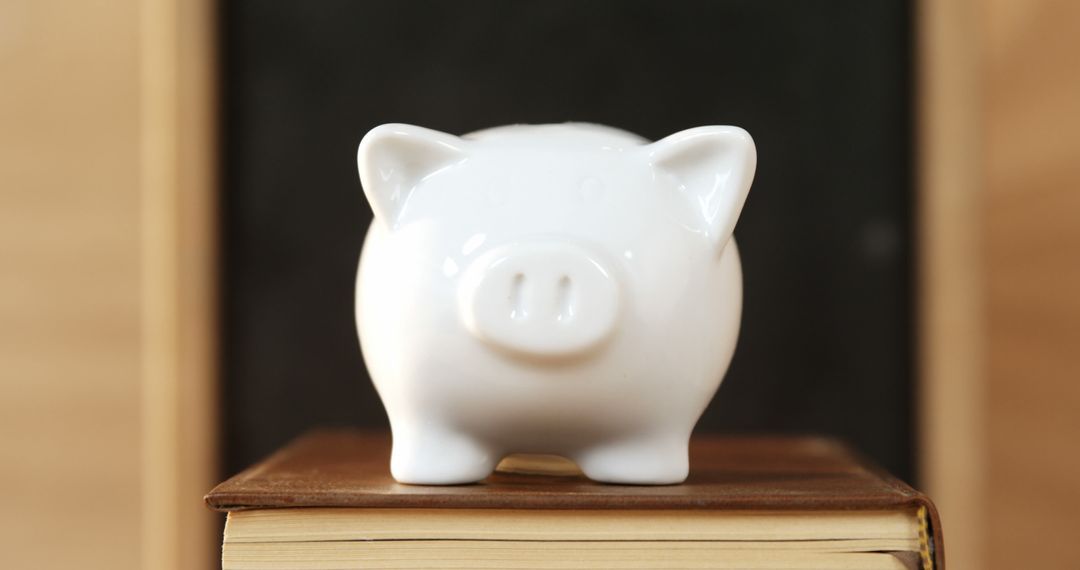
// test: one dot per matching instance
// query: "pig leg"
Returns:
(644, 460)
(435, 456)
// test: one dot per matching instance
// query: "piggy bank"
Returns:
(568, 289)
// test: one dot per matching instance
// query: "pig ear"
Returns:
(394, 158)
(714, 166)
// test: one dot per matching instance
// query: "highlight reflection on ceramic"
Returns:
(569, 289)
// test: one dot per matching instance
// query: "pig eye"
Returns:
(592, 190)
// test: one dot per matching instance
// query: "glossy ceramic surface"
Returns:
(569, 289)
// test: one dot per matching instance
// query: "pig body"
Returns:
(567, 289)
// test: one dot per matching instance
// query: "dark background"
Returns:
(824, 87)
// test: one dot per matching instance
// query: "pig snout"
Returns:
(540, 299)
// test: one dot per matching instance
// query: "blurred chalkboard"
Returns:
(824, 87)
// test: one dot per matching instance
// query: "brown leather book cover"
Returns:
(345, 468)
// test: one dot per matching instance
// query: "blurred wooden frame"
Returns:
(1000, 244)
(999, 258)
(950, 346)
(178, 192)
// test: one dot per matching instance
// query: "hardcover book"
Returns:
(327, 501)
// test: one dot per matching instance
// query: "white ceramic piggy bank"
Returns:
(567, 289)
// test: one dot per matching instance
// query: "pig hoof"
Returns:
(441, 459)
(637, 463)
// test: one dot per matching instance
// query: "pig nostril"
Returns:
(565, 299)
(517, 297)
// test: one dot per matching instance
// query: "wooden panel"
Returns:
(106, 299)
(951, 332)
(1001, 304)
(178, 261)
(1032, 264)
(69, 290)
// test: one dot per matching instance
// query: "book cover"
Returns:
(345, 469)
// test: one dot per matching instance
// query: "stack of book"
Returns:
(327, 501)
